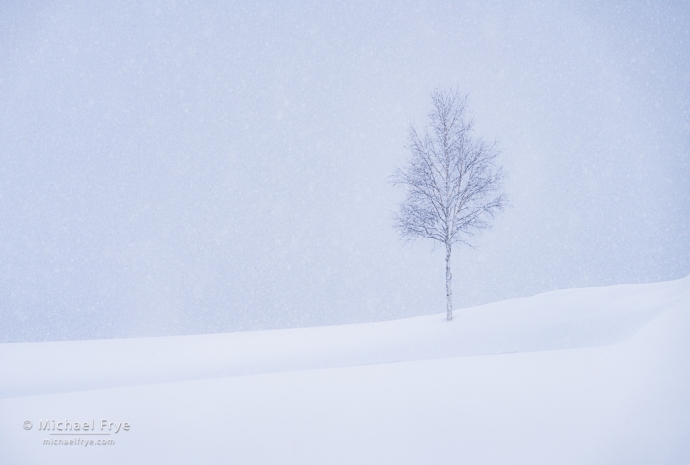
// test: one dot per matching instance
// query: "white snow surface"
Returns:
(495, 386)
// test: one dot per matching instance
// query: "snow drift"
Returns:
(493, 386)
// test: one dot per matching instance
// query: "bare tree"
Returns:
(452, 182)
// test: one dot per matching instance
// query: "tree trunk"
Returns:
(449, 289)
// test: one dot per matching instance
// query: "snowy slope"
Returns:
(491, 387)
(555, 320)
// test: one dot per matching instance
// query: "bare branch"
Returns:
(452, 182)
(451, 179)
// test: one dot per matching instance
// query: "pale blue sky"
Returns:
(200, 168)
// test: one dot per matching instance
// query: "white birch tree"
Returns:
(452, 181)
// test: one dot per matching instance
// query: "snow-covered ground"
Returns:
(582, 376)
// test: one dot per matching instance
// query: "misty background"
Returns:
(178, 168)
